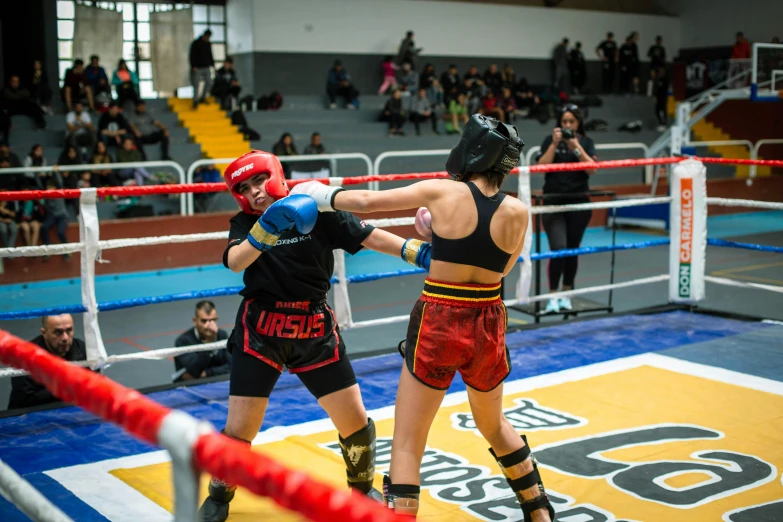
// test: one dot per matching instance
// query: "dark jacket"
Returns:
(26, 392)
(201, 54)
(216, 362)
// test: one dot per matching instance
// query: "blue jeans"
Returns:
(49, 222)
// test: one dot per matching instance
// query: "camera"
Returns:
(568, 134)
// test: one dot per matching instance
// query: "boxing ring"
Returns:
(631, 416)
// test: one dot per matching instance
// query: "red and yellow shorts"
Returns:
(458, 327)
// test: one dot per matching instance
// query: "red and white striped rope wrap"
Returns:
(216, 454)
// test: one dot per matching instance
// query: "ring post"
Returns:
(526, 270)
(89, 236)
(688, 232)
(342, 303)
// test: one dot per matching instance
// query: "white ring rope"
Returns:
(743, 284)
(726, 202)
(29, 500)
(593, 289)
(41, 250)
(616, 203)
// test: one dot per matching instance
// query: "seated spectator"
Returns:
(196, 365)
(102, 177)
(75, 87)
(526, 100)
(395, 113)
(8, 225)
(338, 83)
(130, 154)
(422, 111)
(17, 100)
(457, 111)
(312, 169)
(205, 174)
(79, 130)
(493, 79)
(126, 83)
(9, 160)
(113, 127)
(95, 77)
(69, 156)
(226, 87)
(409, 80)
(509, 76)
(508, 105)
(315, 146)
(29, 218)
(474, 88)
(435, 95)
(148, 130)
(389, 75)
(489, 107)
(35, 180)
(39, 87)
(55, 217)
(451, 83)
(285, 147)
(427, 76)
(56, 338)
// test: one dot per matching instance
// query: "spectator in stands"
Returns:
(408, 51)
(508, 105)
(29, 218)
(490, 107)
(527, 101)
(577, 68)
(409, 80)
(95, 76)
(285, 147)
(35, 180)
(634, 72)
(474, 89)
(69, 179)
(102, 177)
(226, 87)
(457, 112)
(338, 83)
(126, 83)
(79, 130)
(58, 339)
(201, 65)
(493, 79)
(55, 216)
(607, 53)
(566, 144)
(148, 130)
(509, 76)
(451, 83)
(626, 65)
(8, 225)
(740, 61)
(657, 55)
(17, 100)
(427, 76)
(39, 87)
(9, 160)
(661, 93)
(389, 69)
(205, 174)
(130, 154)
(75, 87)
(315, 146)
(436, 97)
(395, 112)
(113, 127)
(560, 61)
(196, 365)
(422, 111)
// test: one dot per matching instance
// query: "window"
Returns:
(137, 34)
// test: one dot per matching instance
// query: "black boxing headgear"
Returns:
(486, 146)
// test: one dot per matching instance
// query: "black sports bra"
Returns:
(477, 248)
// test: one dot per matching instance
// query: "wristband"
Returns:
(417, 253)
(261, 239)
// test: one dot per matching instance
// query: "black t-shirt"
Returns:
(113, 123)
(300, 266)
(627, 55)
(657, 55)
(608, 49)
(567, 182)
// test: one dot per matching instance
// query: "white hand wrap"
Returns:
(322, 194)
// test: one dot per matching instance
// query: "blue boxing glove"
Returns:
(297, 210)
(417, 252)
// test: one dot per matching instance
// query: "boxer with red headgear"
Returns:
(284, 247)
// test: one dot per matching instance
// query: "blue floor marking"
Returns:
(61, 497)
(160, 282)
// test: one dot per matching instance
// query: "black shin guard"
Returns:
(223, 491)
(359, 455)
(524, 482)
(404, 496)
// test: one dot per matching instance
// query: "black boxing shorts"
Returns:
(458, 327)
(301, 336)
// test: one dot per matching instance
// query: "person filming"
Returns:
(564, 230)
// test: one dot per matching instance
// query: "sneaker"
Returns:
(213, 511)
(552, 307)
(564, 303)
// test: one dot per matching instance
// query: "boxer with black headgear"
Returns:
(284, 247)
(459, 322)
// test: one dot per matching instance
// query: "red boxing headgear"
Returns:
(249, 165)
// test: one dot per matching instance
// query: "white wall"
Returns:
(709, 23)
(442, 28)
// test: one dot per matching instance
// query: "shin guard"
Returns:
(513, 461)
(359, 455)
(223, 491)
(401, 496)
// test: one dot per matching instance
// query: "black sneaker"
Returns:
(213, 511)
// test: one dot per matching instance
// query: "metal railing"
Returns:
(403, 154)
